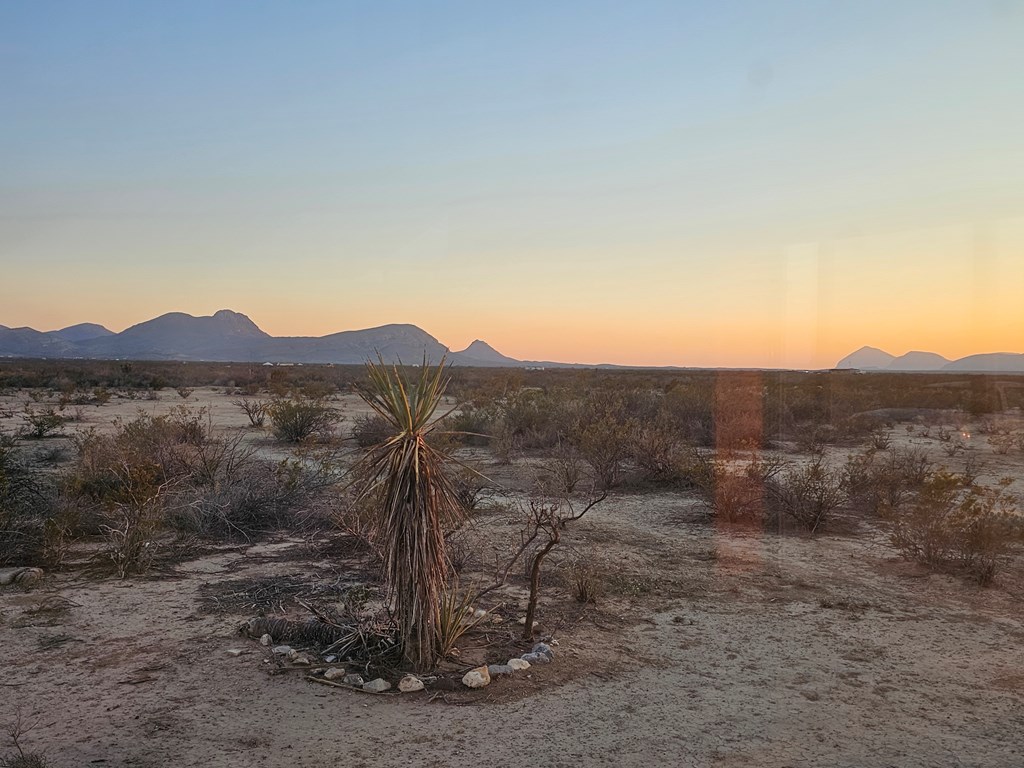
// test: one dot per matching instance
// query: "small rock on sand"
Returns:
(409, 684)
(518, 664)
(353, 679)
(477, 678)
(377, 686)
(266, 640)
(543, 648)
(338, 674)
(498, 670)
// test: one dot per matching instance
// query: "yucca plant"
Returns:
(418, 504)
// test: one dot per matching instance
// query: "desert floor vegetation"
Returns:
(733, 568)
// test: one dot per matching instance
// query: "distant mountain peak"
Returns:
(481, 351)
(918, 361)
(82, 332)
(872, 359)
(867, 358)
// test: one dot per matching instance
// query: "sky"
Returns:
(645, 183)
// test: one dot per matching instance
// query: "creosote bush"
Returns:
(296, 421)
(255, 410)
(42, 423)
(951, 523)
(29, 515)
(371, 429)
(199, 483)
(873, 480)
(807, 494)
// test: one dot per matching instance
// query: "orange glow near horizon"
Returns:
(954, 290)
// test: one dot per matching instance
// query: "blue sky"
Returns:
(686, 183)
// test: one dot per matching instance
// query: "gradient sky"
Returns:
(683, 183)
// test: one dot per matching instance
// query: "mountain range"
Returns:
(874, 359)
(231, 336)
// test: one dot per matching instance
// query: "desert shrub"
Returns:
(529, 419)
(586, 580)
(356, 517)
(951, 523)
(659, 452)
(129, 532)
(739, 430)
(563, 470)
(255, 410)
(40, 423)
(1003, 441)
(20, 758)
(460, 551)
(808, 494)
(317, 390)
(737, 495)
(27, 508)
(209, 485)
(874, 480)
(858, 428)
(473, 426)
(880, 438)
(168, 444)
(604, 445)
(247, 500)
(691, 411)
(295, 421)
(131, 517)
(371, 429)
(602, 433)
(814, 438)
(470, 487)
(50, 455)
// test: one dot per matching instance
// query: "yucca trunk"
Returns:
(417, 502)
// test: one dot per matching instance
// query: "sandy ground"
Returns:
(741, 650)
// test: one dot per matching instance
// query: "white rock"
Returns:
(266, 640)
(282, 650)
(336, 674)
(353, 679)
(518, 664)
(479, 613)
(235, 651)
(477, 678)
(377, 686)
(300, 660)
(409, 684)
